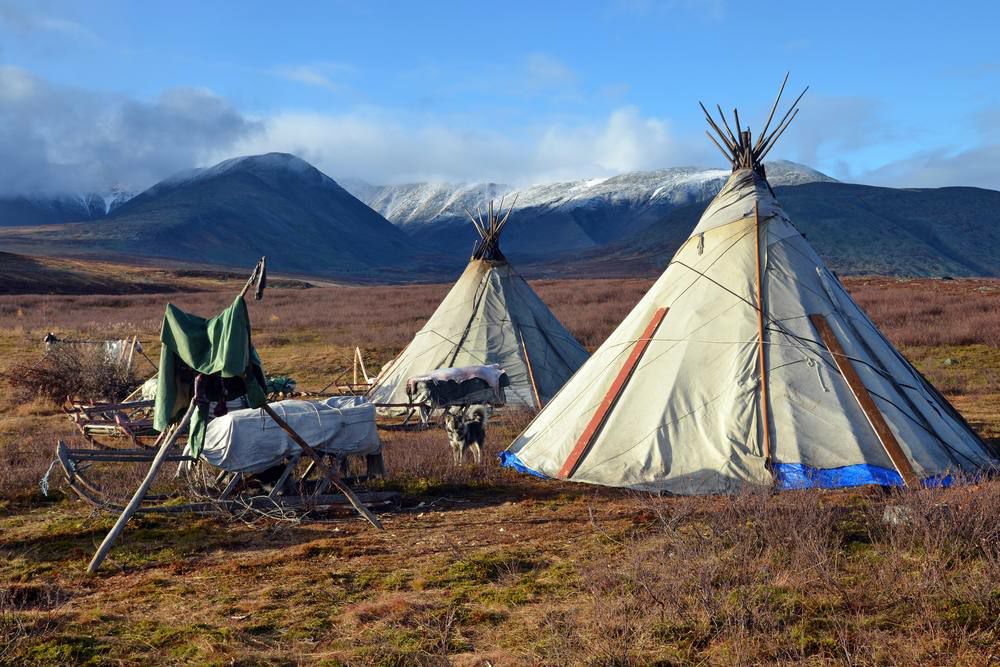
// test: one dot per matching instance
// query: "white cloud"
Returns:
(318, 75)
(381, 148)
(829, 127)
(24, 22)
(61, 138)
(544, 71)
(979, 167)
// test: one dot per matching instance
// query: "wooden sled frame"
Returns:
(228, 485)
(111, 420)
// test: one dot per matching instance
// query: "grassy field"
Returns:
(482, 566)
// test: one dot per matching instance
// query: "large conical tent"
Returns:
(748, 363)
(490, 316)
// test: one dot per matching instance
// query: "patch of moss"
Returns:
(66, 649)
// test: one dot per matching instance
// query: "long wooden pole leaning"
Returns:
(330, 473)
(531, 371)
(764, 414)
(140, 493)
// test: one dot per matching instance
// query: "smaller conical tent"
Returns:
(490, 316)
(748, 363)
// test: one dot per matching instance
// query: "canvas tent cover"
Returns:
(490, 316)
(250, 441)
(688, 418)
(219, 346)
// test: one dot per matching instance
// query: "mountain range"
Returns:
(308, 224)
(555, 217)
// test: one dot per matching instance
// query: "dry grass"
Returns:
(484, 566)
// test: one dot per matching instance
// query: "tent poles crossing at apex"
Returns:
(739, 148)
(488, 245)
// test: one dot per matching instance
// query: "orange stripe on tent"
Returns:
(614, 393)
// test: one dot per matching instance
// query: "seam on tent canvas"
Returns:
(942, 402)
(544, 331)
(900, 389)
(944, 443)
(625, 346)
(781, 330)
(646, 435)
(701, 273)
(477, 303)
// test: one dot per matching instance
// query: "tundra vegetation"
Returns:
(481, 565)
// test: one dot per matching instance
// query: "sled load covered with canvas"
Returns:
(468, 385)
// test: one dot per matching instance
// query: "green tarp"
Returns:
(217, 346)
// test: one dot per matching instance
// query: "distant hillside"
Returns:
(231, 214)
(22, 274)
(56, 209)
(49, 210)
(555, 217)
(857, 229)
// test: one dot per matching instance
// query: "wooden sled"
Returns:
(105, 425)
(280, 488)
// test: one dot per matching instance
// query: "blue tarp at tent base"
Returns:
(510, 460)
(789, 476)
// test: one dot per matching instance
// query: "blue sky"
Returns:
(128, 92)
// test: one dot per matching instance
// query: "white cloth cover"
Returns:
(490, 374)
(250, 441)
(490, 316)
(688, 419)
(148, 391)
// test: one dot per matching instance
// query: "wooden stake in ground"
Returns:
(140, 493)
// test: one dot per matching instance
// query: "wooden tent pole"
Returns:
(531, 371)
(361, 362)
(140, 493)
(765, 417)
(131, 354)
(329, 472)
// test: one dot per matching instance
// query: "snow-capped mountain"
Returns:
(424, 203)
(116, 196)
(55, 209)
(566, 215)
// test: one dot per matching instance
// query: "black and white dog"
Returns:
(466, 428)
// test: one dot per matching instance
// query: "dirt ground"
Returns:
(482, 566)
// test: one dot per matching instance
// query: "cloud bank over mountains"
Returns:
(66, 139)
(58, 138)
